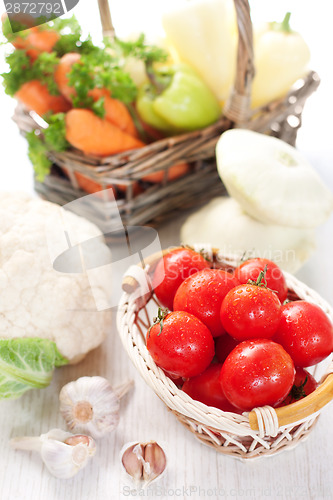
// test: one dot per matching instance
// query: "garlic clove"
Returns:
(91, 405)
(132, 461)
(144, 462)
(63, 453)
(155, 457)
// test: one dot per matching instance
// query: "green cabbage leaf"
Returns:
(27, 363)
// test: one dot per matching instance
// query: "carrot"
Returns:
(26, 20)
(174, 172)
(61, 74)
(40, 41)
(93, 187)
(136, 188)
(36, 97)
(90, 186)
(36, 41)
(97, 136)
(115, 111)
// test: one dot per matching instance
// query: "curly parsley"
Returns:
(40, 143)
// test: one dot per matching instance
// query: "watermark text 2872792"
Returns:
(23, 14)
(33, 8)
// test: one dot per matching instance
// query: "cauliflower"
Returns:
(38, 301)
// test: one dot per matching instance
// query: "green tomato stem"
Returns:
(161, 315)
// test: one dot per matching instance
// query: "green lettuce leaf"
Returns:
(27, 363)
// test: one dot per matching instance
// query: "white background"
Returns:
(303, 473)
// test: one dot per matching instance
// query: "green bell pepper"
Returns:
(177, 100)
(145, 108)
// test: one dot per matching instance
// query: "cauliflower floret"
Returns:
(37, 300)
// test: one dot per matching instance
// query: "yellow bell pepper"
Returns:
(281, 57)
(203, 33)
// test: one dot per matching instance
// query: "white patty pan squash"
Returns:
(223, 224)
(36, 300)
(272, 180)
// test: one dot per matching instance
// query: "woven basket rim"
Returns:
(259, 120)
(174, 397)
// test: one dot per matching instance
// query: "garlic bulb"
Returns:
(91, 405)
(144, 462)
(271, 180)
(223, 224)
(63, 453)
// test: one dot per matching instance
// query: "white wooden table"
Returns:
(194, 470)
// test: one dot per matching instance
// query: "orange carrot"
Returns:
(25, 20)
(61, 74)
(36, 97)
(115, 111)
(36, 42)
(174, 172)
(97, 136)
(40, 41)
(136, 188)
(90, 186)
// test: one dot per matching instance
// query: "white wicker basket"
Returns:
(263, 431)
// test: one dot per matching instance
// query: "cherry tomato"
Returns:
(305, 332)
(172, 270)
(223, 347)
(180, 344)
(250, 312)
(207, 389)
(202, 294)
(256, 373)
(304, 384)
(178, 381)
(274, 277)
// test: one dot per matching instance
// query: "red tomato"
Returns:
(180, 344)
(202, 294)
(251, 268)
(250, 312)
(305, 332)
(207, 389)
(172, 270)
(304, 384)
(176, 380)
(257, 373)
(223, 347)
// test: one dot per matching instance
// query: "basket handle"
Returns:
(106, 20)
(303, 408)
(129, 283)
(237, 107)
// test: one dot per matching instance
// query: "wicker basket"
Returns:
(281, 118)
(263, 431)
